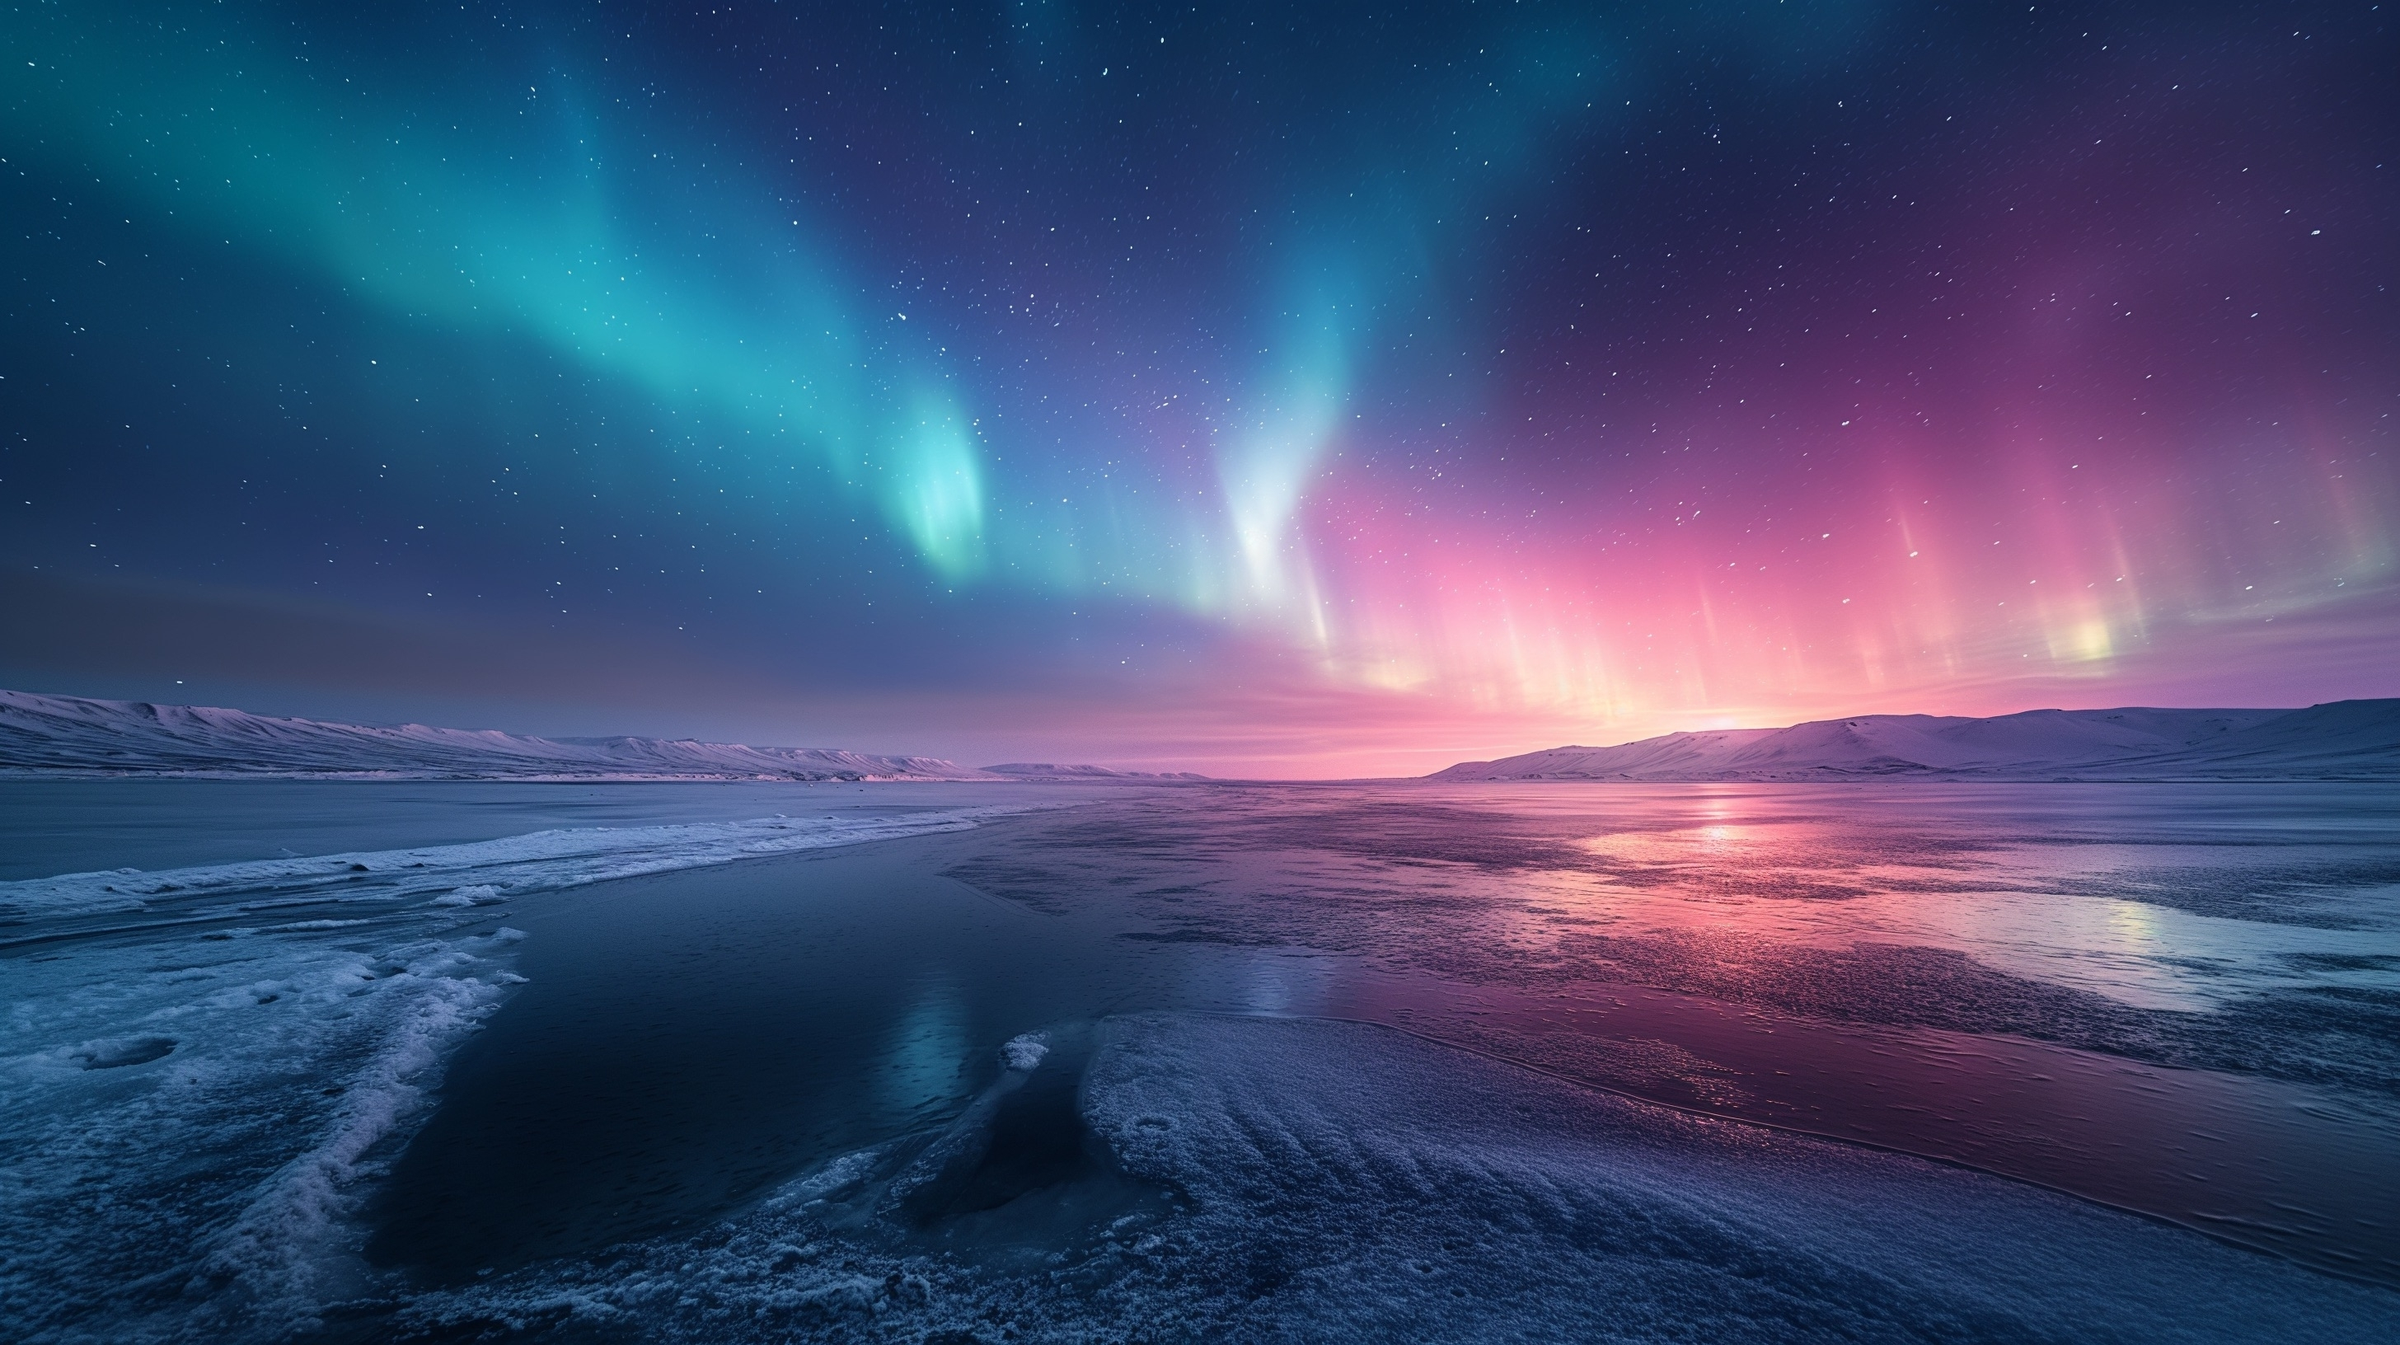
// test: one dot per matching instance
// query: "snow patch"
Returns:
(1025, 1051)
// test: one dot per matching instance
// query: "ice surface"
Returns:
(202, 1069)
(472, 874)
(1971, 971)
(2342, 740)
(202, 1165)
(1383, 1184)
(192, 1106)
(1334, 1181)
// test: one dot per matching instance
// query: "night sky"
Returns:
(1252, 388)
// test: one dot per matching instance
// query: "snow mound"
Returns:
(2341, 740)
(1025, 1051)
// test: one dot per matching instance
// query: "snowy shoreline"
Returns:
(192, 1110)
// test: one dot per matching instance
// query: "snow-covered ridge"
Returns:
(2340, 740)
(69, 734)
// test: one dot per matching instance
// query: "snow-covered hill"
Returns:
(2341, 740)
(68, 734)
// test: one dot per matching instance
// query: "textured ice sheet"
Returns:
(202, 1070)
(1335, 1181)
(1381, 1184)
(185, 1130)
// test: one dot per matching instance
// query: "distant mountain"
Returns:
(2340, 740)
(1043, 770)
(53, 735)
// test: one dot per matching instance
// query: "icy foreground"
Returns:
(54, 734)
(1306, 1180)
(2340, 740)
(202, 1070)
(204, 1073)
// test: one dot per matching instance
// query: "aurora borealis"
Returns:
(1266, 389)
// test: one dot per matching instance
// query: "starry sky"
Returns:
(1253, 388)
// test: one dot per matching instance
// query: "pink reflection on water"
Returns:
(1865, 962)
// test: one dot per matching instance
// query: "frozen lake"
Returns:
(450, 1061)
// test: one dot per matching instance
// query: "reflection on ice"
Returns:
(2123, 921)
(2081, 985)
(928, 1050)
(1274, 981)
